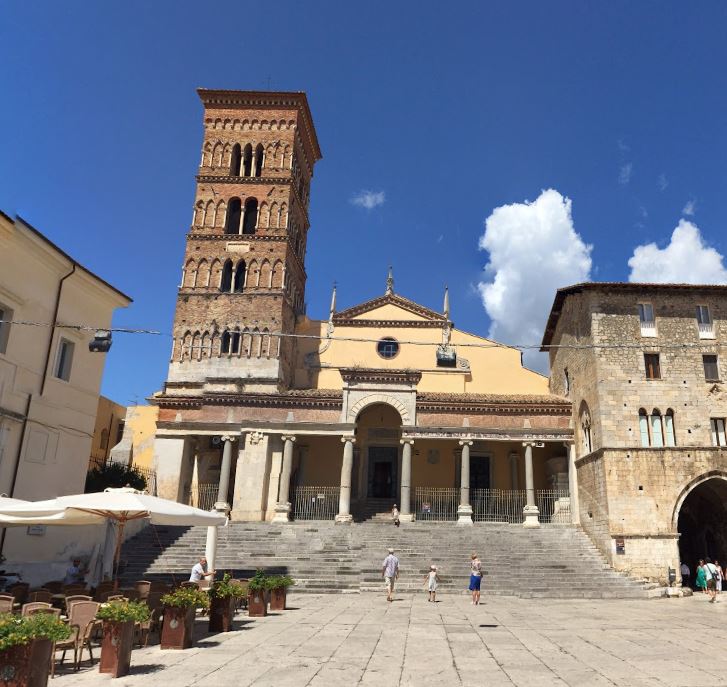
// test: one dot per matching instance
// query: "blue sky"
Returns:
(450, 110)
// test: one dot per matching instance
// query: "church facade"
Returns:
(275, 416)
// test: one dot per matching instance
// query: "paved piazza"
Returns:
(362, 640)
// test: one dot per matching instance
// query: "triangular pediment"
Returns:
(389, 308)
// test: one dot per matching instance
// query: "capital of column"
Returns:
(406, 441)
(288, 437)
(227, 437)
(348, 438)
(531, 444)
(466, 442)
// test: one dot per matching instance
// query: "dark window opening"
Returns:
(226, 279)
(653, 368)
(387, 348)
(239, 281)
(259, 160)
(250, 222)
(711, 369)
(247, 161)
(236, 160)
(234, 210)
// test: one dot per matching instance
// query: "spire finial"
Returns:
(333, 302)
(390, 281)
(446, 302)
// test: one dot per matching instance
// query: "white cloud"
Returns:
(685, 260)
(624, 174)
(689, 208)
(662, 182)
(369, 199)
(533, 250)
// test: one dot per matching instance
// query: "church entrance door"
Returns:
(382, 471)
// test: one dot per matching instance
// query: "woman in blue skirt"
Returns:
(475, 579)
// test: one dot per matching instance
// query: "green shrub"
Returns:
(258, 583)
(16, 630)
(122, 611)
(114, 475)
(279, 581)
(186, 597)
(225, 589)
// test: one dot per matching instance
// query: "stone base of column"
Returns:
(282, 512)
(406, 517)
(464, 515)
(222, 507)
(531, 514)
(345, 519)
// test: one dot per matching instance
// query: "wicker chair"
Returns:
(130, 594)
(6, 603)
(41, 595)
(53, 611)
(74, 599)
(241, 601)
(54, 587)
(82, 621)
(19, 591)
(144, 588)
(33, 606)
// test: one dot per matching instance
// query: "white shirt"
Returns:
(685, 569)
(711, 570)
(198, 573)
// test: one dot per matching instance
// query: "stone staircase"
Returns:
(549, 562)
(375, 510)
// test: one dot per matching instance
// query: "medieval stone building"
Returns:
(278, 416)
(642, 366)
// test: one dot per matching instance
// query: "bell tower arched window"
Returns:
(235, 160)
(234, 210)
(247, 161)
(250, 223)
(239, 281)
(259, 153)
(226, 278)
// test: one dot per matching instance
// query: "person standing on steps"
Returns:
(390, 573)
(475, 578)
(432, 580)
(395, 515)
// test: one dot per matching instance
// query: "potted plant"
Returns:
(257, 602)
(119, 618)
(278, 586)
(26, 645)
(224, 594)
(180, 606)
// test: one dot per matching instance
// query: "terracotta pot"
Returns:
(26, 665)
(257, 604)
(278, 598)
(116, 646)
(222, 612)
(177, 628)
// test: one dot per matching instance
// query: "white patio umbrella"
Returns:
(119, 505)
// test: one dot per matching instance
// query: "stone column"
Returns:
(573, 483)
(282, 508)
(405, 505)
(464, 512)
(344, 499)
(531, 510)
(513, 470)
(224, 485)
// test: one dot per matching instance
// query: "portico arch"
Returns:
(372, 399)
(700, 518)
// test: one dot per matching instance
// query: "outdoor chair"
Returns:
(33, 606)
(108, 595)
(19, 592)
(190, 585)
(6, 603)
(41, 595)
(241, 601)
(53, 611)
(54, 587)
(82, 621)
(130, 594)
(74, 589)
(74, 599)
(143, 587)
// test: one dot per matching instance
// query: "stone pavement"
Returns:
(361, 640)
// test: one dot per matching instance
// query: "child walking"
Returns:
(432, 580)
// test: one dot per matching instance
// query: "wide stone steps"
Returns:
(556, 562)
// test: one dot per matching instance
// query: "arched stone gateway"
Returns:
(379, 398)
(700, 517)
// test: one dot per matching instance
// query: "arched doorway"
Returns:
(702, 522)
(378, 433)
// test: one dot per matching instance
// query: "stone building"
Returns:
(642, 366)
(279, 416)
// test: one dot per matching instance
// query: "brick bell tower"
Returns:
(243, 277)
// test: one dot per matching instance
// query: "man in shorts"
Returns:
(390, 573)
(710, 571)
